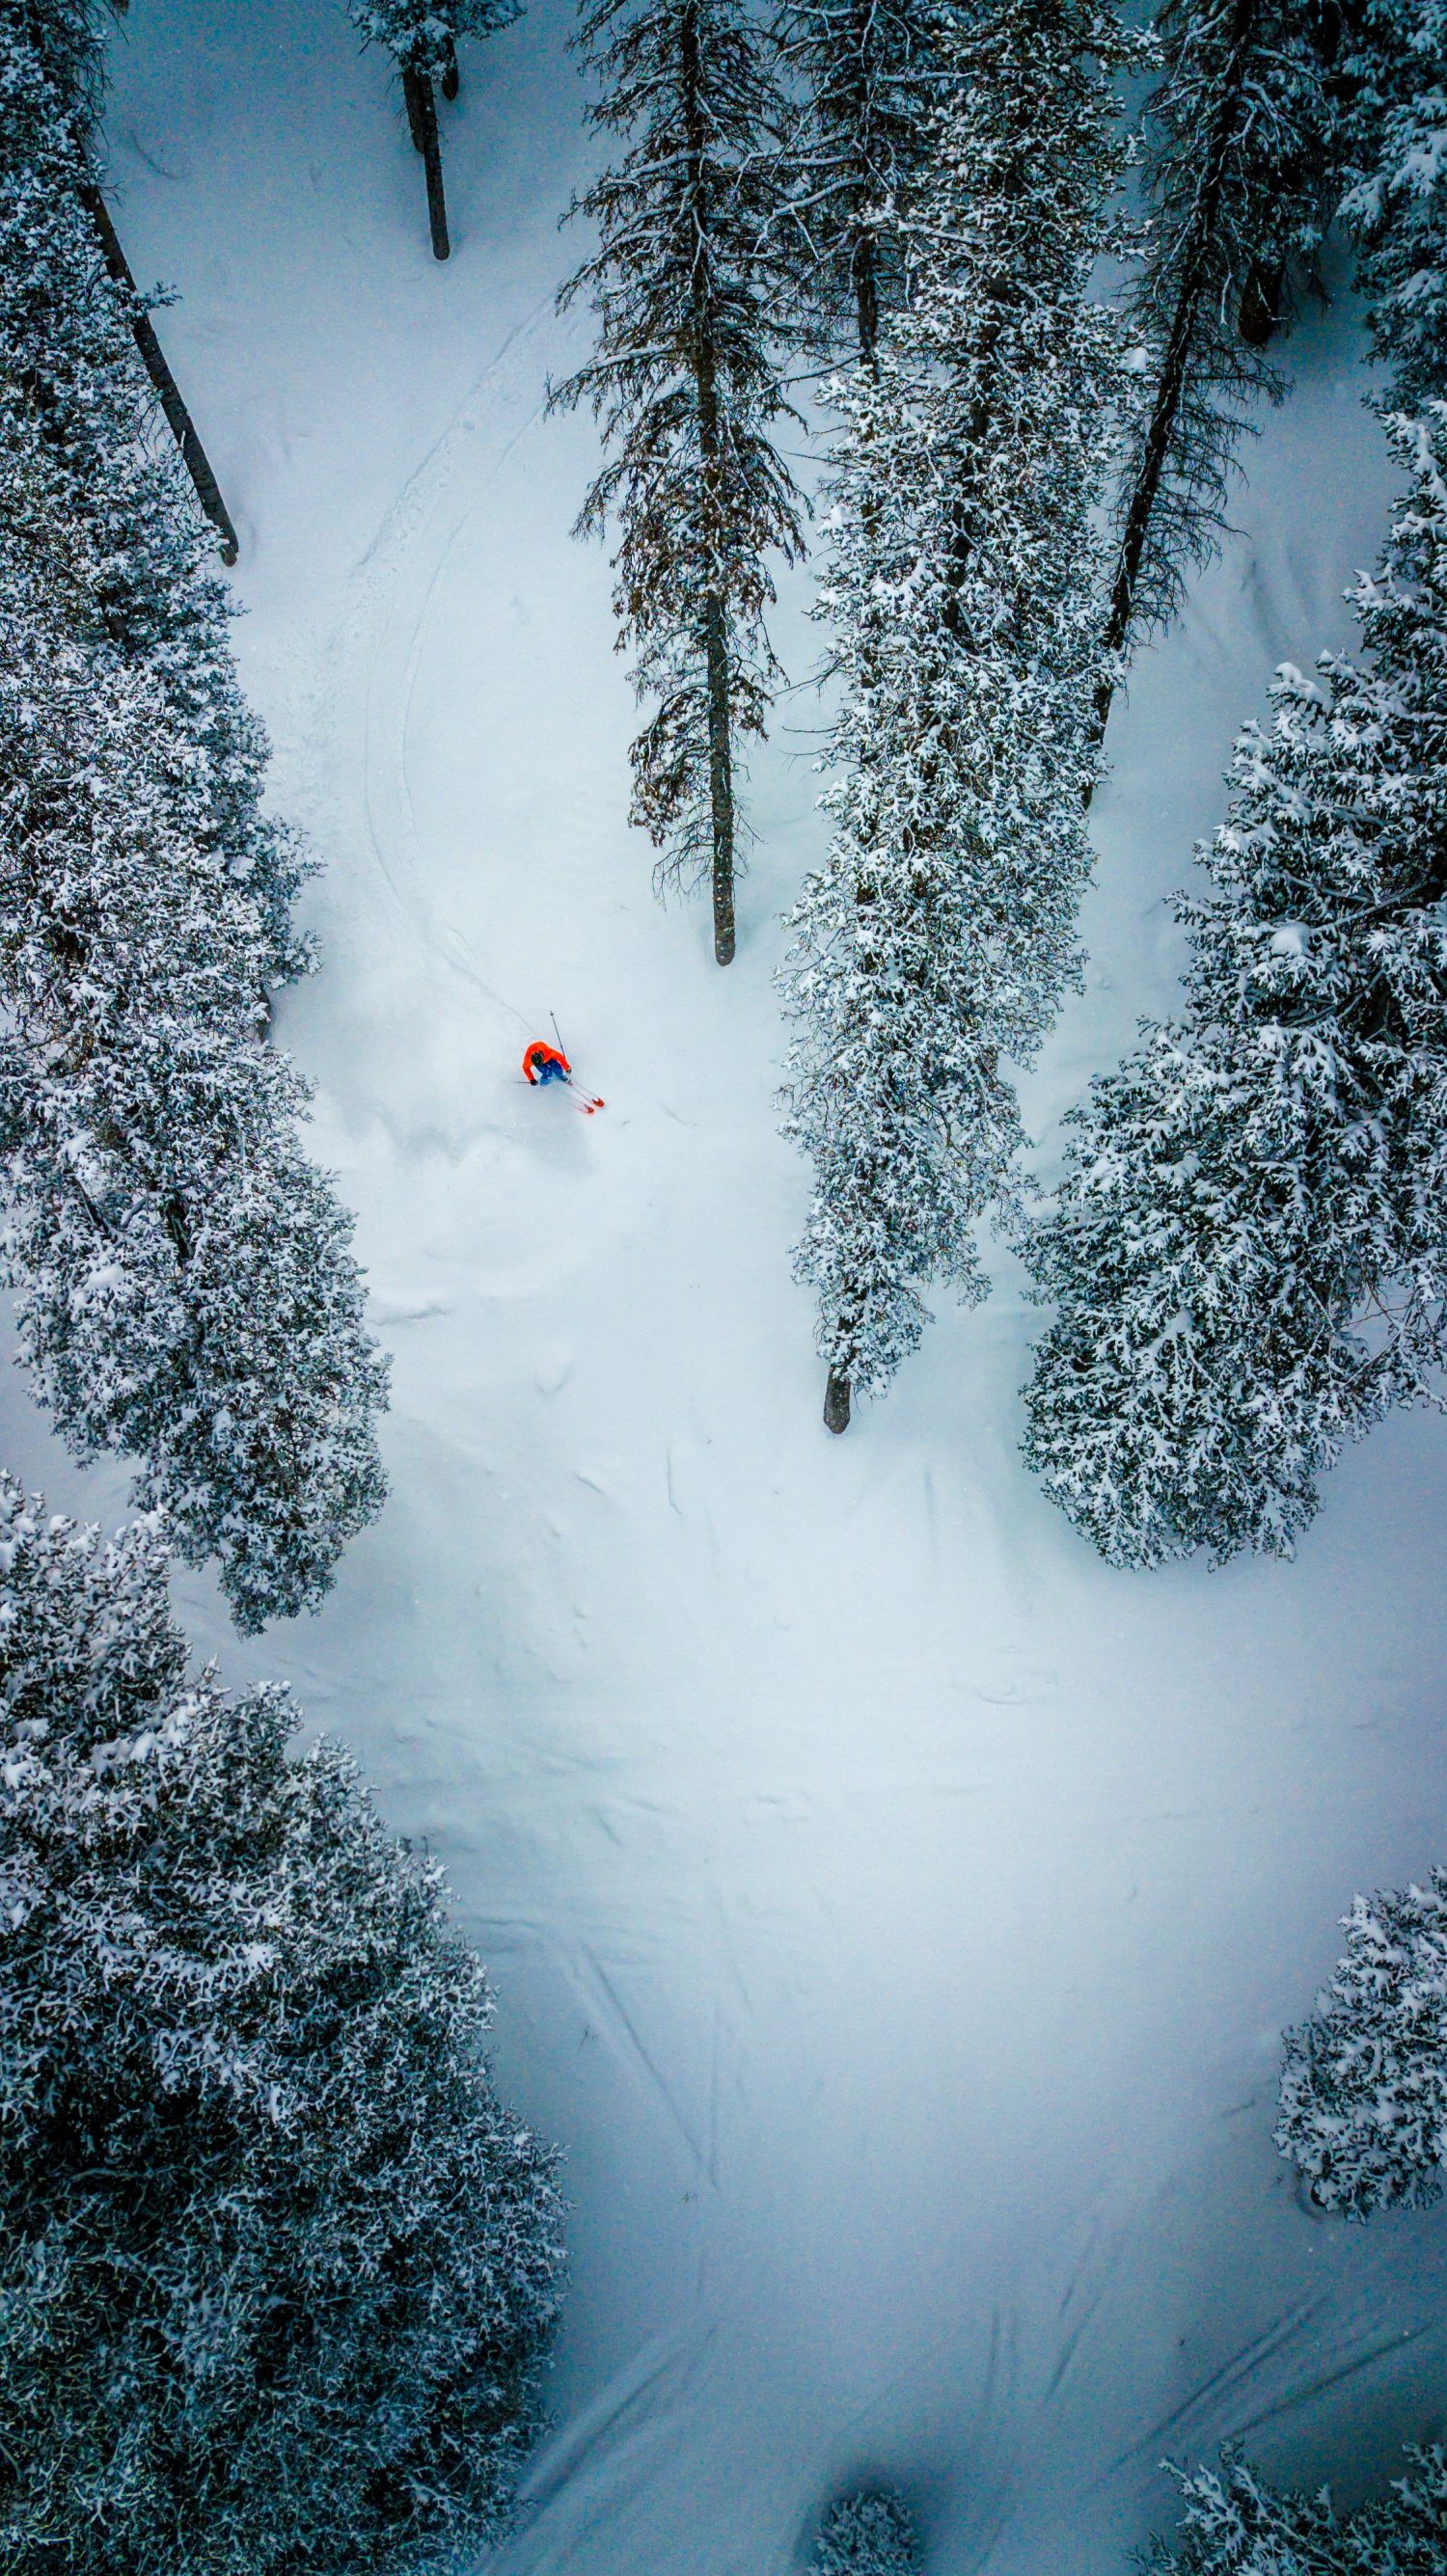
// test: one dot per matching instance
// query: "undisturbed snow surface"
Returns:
(893, 1911)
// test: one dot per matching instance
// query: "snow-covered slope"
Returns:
(893, 1910)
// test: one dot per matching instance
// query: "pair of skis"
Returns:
(587, 1103)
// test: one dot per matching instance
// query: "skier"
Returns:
(544, 1064)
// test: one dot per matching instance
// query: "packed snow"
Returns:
(893, 1910)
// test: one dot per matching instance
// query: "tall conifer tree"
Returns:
(277, 2269)
(1249, 1252)
(1364, 2081)
(422, 37)
(1234, 2524)
(870, 2534)
(867, 77)
(962, 601)
(186, 1288)
(685, 383)
(1239, 150)
(1396, 203)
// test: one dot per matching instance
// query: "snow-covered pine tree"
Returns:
(62, 39)
(153, 357)
(1238, 182)
(422, 37)
(1249, 1251)
(68, 352)
(962, 600)
(866, 78)
(203, 1311)
(871, 2534)
(277, 2269)
(1364, 2081)
(685, 382)
(185, 1286)
(1396, 204)
(1233, 2524)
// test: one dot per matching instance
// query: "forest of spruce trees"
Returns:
(972, 309)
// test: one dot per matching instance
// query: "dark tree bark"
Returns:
(1174, 367)
(451, 77)
(837, 1397)
(715, 627)
(720, 781)
(422, 118)
(182, 427)
(1261, 302)
(410, 86)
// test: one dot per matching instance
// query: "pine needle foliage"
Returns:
(871, 2534)
(685, 385)
(68, 356)
(186, 1289)
(277, 2270)
(961, 597)
(1249, 1250)
(1364, 2081)
(1396, 203)
(422, 36)
(1238, 179)
(865, 78)
(1233, 2524)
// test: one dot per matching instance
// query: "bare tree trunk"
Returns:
(410, 87)
(1261, 301)
(422, 117)
(182, 427)
(451, 78)
(838, 1391)
(720, 780)
(1174, 367)
(715, 613)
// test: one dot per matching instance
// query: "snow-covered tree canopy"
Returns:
(686, 388)
(1238, 181)
(276, 2268)
(422, 36)
(69, 356)
(1364, 2081)
(868, 76)
(1397, 201)
(1249, 1253)
(1233, 2524)
(962, 597)
(186, 1289)
(868, 2535)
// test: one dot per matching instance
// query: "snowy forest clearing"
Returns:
(894, 1911)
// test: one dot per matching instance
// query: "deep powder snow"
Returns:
(893, 1910)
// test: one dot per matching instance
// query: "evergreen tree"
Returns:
(276, 2267)
(867, 76)
(1396, 203)
(1249, 1252)
(1235, 2525)
(68, 356)
(931, 947)
(1237, 177)
(422, 38)
(868, 2535)
(168, 393)
(685, 384)
(1364, 2082)
(61, 40)
(187, 1294)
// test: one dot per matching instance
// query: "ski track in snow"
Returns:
(892, 1911)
